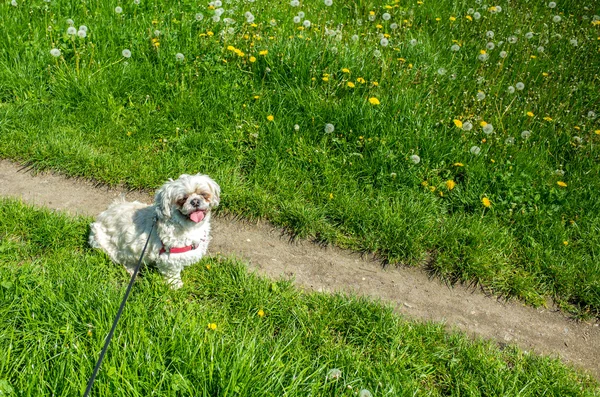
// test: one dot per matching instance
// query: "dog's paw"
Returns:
(175, 283)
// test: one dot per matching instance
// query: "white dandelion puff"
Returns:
(354, 37)
(179, 56)
(525, 134)
(413, 42)
(475, 150)
(294, 3)
(365, 393)
(520, 86)
(306, 23)
(541, 49)
(467, 126)
(556, 18)
(529, 35)
(503, 54)
(126, 53)
(334, 373)
(384, 42)
(297, 19)
(509, 141)
(483, 57)
(512, 39)
(490, 46)
(488, 129)
(393, 26)
(84, 28)
(386, 16)
(480, 96)
(71, 31)
(55, 52)
(81, 33)
(199, 16)
(552, 4)
(415, 159)
(301, 14)
(511, 89)
(559, 172)
(476, 15)
(455, 47)
(118, 9)
(329, 128)
(328, 3)
(296, 127)
(377, 53)
(489, 34)
(441, 71)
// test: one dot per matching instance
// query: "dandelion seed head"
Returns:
(512, 39)
(84, 28)
(82, 33)
(541, 49)
(297, 19)
(306, 23)
(393, 26)
(70, 22)
(14, 3)
(354, 37)
(441, 71)
(384, 42)
(301, 14)
(529, 35)
(218, 3)
(470, 11)
(467, 126)
(296, 127)
(488, 128)
(591, 115)
(219, 12)
(573, 42)
(559, 172)
(294, 3)
(520, 86)
(55, 52)
(329, 128)
(480, 96)
(483, 57)
(490, 46)
(365, 393)
(509, 141)
(179, 56)
(511, 89)
(71, 31)
(371, 17)
(552, 4)
(216, 18)
(328, 3)
(455, 47)
(126, 53)
(556, 18)
(386, 16)
(413, 42)
(334, 374)
(415, 159)
(199, 16)
(118, 9)
(489, 34)
(525, 134)
(475, 150)
(476, 15)
(503, 54)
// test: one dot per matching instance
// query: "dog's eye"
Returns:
(206, 196)
(181, 201)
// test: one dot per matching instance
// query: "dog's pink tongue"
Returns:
(197, 216)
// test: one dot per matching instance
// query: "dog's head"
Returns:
(190, 197)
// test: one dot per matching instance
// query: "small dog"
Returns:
(180, 237)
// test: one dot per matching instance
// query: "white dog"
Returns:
(180, 237)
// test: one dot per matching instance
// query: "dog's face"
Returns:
(188, 198)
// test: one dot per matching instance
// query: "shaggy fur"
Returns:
(182, 209)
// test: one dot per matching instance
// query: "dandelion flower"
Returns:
(475, 150)
(503, 54)
(252, 59)
(126, 53)
(296, 127)
(350, 84)
(520, 86)
(374, 101)
(263, 52)
(486, 202)
(82, 33)
(199, 16)
(212, 326)
(413, 42)
(561, 184)
(118, 10)
(455, 47)
(386, 16)
(306, 23)
(415, 159)
(552, 4)
(384, 42)
(261, 313)
(480, 95)
(450, 184)
(71, 31)
(334, 373)
(476, 15)
(55, 52)
(525, 134)
(179, 56)
(488, 128)
(328, 3)
(511, 89)
(467, 126)
(329, 128)
(458, 123)
(556, 18)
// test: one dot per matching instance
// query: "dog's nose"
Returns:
(195, 202)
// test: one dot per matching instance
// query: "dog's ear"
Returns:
(215, 191)
(162, 202)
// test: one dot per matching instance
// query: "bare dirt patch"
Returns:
(328, 269)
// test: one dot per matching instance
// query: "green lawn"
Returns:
(511, 205)
(226, 332)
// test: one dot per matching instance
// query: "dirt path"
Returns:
(545, 331)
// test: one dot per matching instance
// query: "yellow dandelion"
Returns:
(470, 18)
(253, 59)
(379, 26)
(458, 164)
(482, 52)
(565, 242)
(374, 101)
(212, 326)
(263, 52)
(360, 80)
(375, 84)
(548, 118)
(256, 96)
(483, 123)
(450, 184)
(350, 84)
(438, 19)
(345, 70)
(210, 34)
(545, 74)
(330, 196)
(325, 78)
(458, 123)
(486, 202)
(530, 114)
(230, 48)
(597, 132)
(452, 19)
(561, 184)
(270, 117)
(371, 12)
(261, 313)
(577, 127)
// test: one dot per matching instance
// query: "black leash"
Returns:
(114, 326)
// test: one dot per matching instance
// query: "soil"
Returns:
(270, 252)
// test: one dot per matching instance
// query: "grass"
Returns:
(58, 298)
(516, 214)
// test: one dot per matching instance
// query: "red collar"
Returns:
(178, 250)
